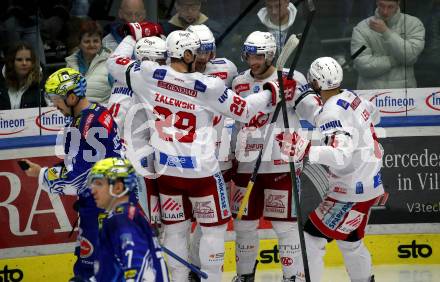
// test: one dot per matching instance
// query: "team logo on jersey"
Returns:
(242, 87)
(343, 104)
(204, 209)
(159, 74)
(222, 74)
(275, 203)
(351, 222)
(171, 207)
(256, 89)
(359, 188)
(355, 103)
(86, 247)
(106, 120)
(199, 86)
(365, 114)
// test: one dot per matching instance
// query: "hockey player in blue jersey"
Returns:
(90, 136)
(128, 248)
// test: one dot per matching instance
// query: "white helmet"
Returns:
(259, 42)
(151, 48)
(327, 72)
(207, 40)
(181, 40)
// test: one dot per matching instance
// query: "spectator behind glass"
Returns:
(188, 13)
(90, 60)
(20, 80)
(21, 24)
(281, 19)
(130, 11)
(394, 41)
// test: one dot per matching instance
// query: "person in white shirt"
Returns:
(180, 104)
(353, 155)
(271, 196)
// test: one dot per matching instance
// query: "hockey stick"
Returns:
(295, 180)
(288, 48)
(280, 62)
(191, 266)
(354, 56)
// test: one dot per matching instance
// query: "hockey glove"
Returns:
(293, 145)
(142, 29)
(274, 88)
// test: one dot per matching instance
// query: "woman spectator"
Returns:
(20, 83)
(90, 60)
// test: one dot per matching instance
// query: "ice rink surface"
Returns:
(382, 273)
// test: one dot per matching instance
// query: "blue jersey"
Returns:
(88, 138)
(128, 249)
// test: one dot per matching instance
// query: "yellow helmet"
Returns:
(65, 81)
(113, 169)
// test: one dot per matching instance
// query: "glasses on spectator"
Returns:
(133, 16)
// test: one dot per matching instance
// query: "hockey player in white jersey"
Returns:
(353, 155)
(207, 63)
(180, 104)
(121, 102)
(271, 196)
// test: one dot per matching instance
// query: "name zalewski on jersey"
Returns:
(182, 108)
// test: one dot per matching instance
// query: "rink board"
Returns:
(385, 249)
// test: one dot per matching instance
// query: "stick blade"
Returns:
(288, 48)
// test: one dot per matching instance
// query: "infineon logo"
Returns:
(11, 126)
(51, 120)
(433, 101)
(390, 105)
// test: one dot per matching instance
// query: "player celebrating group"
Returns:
(354, 157)
(181, 105)
(272, 193)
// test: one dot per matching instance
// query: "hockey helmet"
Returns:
(259, 42)
(179, 41)
(151, 48)
(113, 169)
(327, 72)
(207, 40)
(66, 81)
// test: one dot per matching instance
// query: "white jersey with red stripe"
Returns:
(226, 70)
(251, 135)
(181, 108)
(350, 148)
